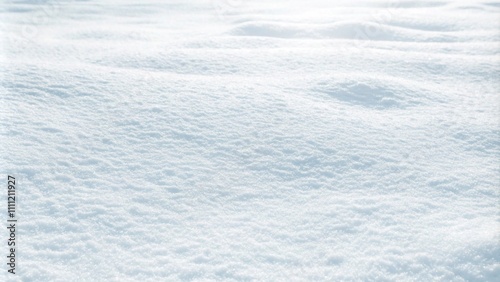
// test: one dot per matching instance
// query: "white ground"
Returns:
(252, 140)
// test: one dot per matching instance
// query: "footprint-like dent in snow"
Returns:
(493, 4)
(270, 29)
(417, 4)
(357, 30)
(370, 93)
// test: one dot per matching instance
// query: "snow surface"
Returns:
(252, 140)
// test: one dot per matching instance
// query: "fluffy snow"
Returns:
(252, 140)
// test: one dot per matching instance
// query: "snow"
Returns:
(252, 140)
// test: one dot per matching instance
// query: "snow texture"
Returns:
(230, 140)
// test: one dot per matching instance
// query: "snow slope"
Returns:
(252, 140)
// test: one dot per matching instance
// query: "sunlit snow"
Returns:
(229, 140)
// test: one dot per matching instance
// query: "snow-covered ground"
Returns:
(233, 140)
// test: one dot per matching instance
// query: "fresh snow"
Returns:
(231, 140)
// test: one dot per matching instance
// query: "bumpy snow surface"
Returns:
(252, 140)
